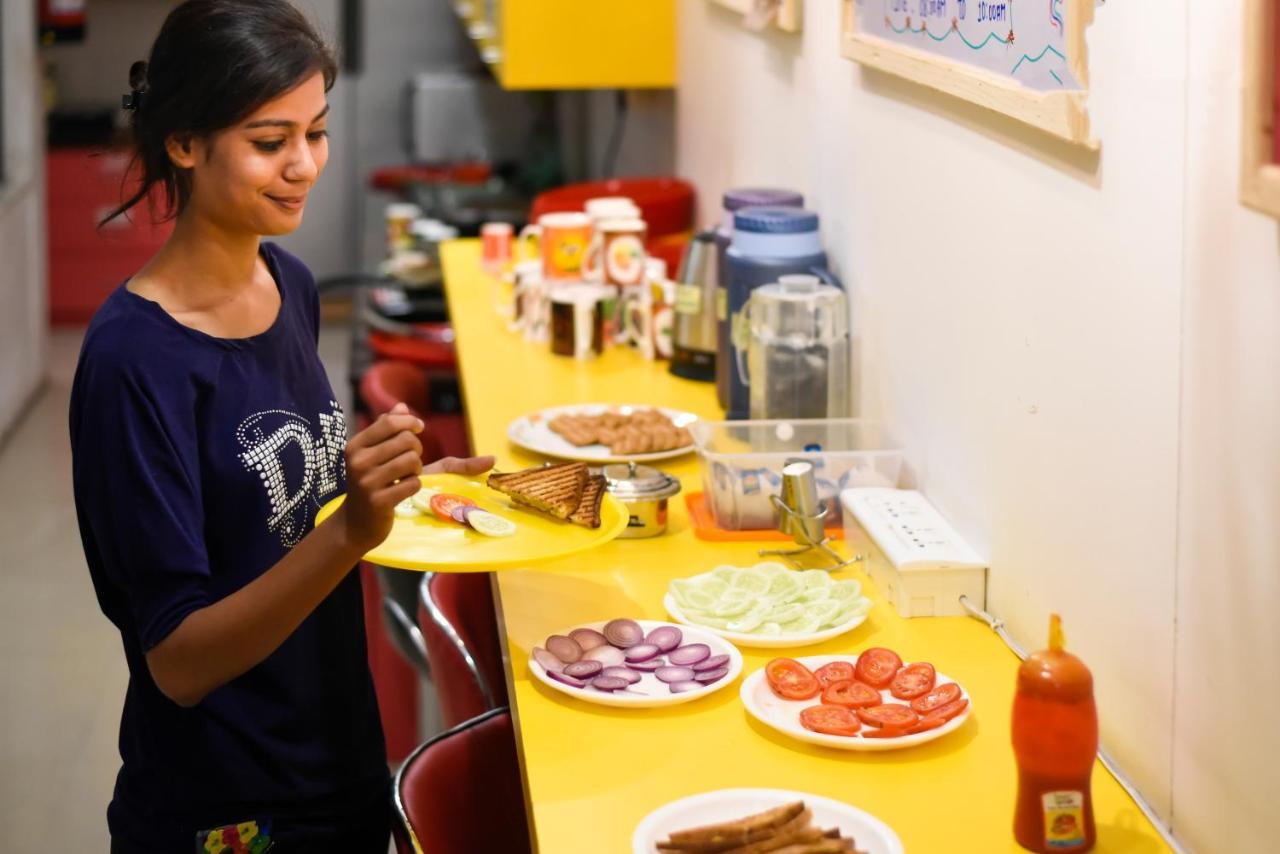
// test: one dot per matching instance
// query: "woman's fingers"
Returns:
(386, 426)
(406, 465)
(371, 457)
(396, 492)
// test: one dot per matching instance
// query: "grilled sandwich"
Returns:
(553, 489)
(588, 512)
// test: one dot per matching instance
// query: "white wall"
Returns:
(22, 265)
(1226, 777)
(1059, 367)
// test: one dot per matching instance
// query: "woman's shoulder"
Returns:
(128, 337)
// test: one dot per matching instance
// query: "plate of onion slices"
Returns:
(635, 663)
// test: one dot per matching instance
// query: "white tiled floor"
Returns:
(61, 666)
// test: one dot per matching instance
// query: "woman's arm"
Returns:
(219, 642)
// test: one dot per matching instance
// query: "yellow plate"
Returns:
(426, 544)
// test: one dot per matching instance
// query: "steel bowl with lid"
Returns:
(644, 490)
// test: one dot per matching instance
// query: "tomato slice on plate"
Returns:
(947, 692)
(444, 503)
(877, 666)
(925, 724)
(830, 720)
(885, 732)
(836, 671)
(893, 715)
(950, 710)
(851, 694)
(913, 680)
(791, 680)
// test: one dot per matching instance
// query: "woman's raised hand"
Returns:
(383, 464)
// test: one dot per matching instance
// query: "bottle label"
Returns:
(722, 304)
(1063, 819)
(688, 299)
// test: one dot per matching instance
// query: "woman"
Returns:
(205, 435)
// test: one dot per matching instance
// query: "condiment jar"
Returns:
(644, 491)
(1055, 740)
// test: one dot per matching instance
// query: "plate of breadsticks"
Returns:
(605, 433)
(757, 820)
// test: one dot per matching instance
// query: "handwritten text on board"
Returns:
(1021, 39)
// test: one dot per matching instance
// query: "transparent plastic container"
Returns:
(742, 463)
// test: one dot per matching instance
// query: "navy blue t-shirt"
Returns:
(198, 463)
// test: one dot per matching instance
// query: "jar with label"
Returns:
(400, 217)
(1055, 740)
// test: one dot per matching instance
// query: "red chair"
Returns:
(460, 792)
(460, 631)
(385, 384)
(397, 655)
(404, 372)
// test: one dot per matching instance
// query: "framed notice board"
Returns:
(1260, 136)
(1026, 60)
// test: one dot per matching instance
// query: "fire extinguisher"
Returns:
(61, 21)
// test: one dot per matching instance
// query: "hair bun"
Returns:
(138, 76)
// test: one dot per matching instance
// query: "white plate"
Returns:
(649, 691)
(784, 715)
(532, 433)
(764, 641)
(869, 833)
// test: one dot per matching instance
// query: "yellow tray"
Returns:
(426, 544)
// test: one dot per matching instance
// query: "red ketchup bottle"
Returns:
(1055, 740)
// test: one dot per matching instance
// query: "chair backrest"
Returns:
(385, 384)
(460, 792)
(460, 630)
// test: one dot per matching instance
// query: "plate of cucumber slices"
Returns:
(768, 605)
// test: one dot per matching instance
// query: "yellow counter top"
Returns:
(592, 772)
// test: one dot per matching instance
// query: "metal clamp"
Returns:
(793, 523)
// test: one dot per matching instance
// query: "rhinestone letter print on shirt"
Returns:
(271, 438)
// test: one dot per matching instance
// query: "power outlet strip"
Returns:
(913, 555)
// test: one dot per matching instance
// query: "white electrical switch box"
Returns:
(912, 554)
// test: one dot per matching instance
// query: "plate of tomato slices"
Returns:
(873, 701)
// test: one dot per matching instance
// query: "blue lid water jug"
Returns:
(768, 242)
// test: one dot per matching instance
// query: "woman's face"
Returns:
(255, 176)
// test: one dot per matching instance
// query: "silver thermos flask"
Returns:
(694, 340)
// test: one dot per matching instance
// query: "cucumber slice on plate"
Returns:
(844, 591)
(815, 594)
(691, 595)
(816, 578)
(490, 524)
(786, 613)
(806, 624)
(733, 603)
(824, 612)
(784, 586)
(751, 582)
(422, 499)
(749, 621)
(407, 510)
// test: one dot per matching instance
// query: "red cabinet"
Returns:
(87, 262)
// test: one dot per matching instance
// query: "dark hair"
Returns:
(213, 63)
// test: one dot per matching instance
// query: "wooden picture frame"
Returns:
(790, 15)
(1259, 169)
(1062, 113)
